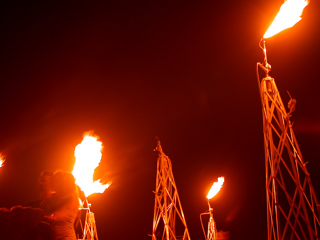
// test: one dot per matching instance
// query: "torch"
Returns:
(289, 14)
(293, 216)
(88, 156)
(212, 231)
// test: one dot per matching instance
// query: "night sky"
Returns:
(135, 71)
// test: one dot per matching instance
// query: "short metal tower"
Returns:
(90, 229)
(291, 200)
(167, 205)
(212, 230)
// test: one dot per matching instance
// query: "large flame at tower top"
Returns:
(288, 15)
(216, 186)
(88, 156)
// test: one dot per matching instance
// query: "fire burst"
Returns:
(288, 15)
(215, 188)
(88, 156)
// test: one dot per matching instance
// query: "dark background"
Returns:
(182, 71)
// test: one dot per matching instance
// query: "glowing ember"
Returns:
(288, 15)
(215, 188)
(88, 156)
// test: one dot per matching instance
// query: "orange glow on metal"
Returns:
(288, 15)
(215, 188)
(88, 156)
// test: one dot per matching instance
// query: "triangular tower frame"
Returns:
(90, 230)
(212, 230)
(167, 205)
(292, 205)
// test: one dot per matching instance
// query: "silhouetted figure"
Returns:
(25, 222)
(44, 188)
(61, 208)
(14, 223)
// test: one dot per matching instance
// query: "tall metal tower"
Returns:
(291, 200)
(167, 205)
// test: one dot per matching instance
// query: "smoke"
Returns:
(223, 235)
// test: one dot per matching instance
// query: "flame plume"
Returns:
(88, 156)
(288, 15)
(216, 186)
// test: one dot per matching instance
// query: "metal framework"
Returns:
(90, 229)
(167, 203)
(212, 230)
(292, 205)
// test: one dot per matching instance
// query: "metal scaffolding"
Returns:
(292, 205)
(89, 232)
(212, 230)
(167, 204)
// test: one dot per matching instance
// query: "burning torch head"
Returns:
(288, 15)
(1, 160)
(216, 186)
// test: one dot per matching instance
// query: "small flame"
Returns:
(1, 160)
(88, 156)
(288, 15)
(215, 188)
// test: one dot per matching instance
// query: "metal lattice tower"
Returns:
(90, 229)
(212, 230)
(291, 200)
(167, 205)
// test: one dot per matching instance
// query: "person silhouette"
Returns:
(61, 208)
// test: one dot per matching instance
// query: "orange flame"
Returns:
(288, 15)
(88, 156)
(1, 160)
(215, 188)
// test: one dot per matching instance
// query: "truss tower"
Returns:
(291, 200)
(89, 231)
(168, 220)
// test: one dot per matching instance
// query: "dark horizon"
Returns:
(183, 72)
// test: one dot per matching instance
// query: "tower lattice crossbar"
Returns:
(167, 205)
(291, 200)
